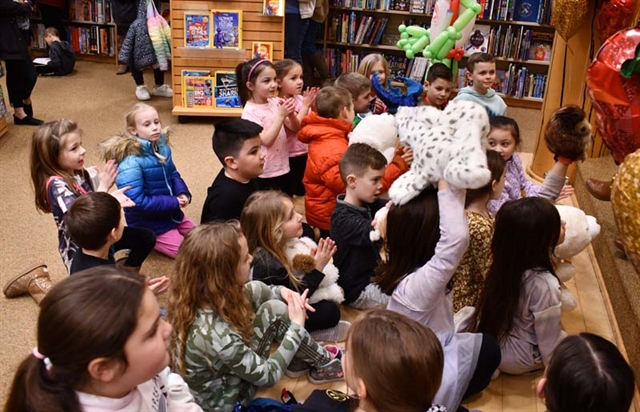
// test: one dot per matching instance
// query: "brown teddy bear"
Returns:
(568, 133)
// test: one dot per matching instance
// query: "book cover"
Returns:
(197, 29)
(226, 91)
(540, 48)
(527, 10)
(227, 29)
(197, 91)
(262, 50)
(187, 92)
(478, 40)
(273, 7)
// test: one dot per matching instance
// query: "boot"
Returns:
(34, 280)
(599, 189)
(122, 68)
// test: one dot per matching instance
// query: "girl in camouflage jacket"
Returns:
(224, 325)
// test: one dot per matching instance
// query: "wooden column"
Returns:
(566, 84)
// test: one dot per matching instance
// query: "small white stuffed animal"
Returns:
(447, 145)
(378, 131)
(380, 228)
(299, 253)
(580, 230)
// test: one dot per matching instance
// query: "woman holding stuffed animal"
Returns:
(520, 304)
(504, 138)
(426, 239)
(272, 228)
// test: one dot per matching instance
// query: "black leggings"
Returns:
(140, 241)
(21, 79)
(327, 315)
(488, 361)
(158, 76)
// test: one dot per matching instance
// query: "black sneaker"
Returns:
(27, 120)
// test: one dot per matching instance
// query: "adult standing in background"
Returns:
(124, 13)
(313, 58)
(52, 13)
(296, 21)
(14, 50)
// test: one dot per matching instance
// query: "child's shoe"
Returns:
(330, 372)
(35, 281)
(337, 333)
(142, 93)
(163, 91)
(297, 368)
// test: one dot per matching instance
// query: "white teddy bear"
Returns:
(299, 253)
(580, 230)
(447, 145)
(378, 131)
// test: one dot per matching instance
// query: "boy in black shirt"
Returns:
(237, 144)
(361, 169)
(61, 55)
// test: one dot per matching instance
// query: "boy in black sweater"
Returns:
(237, 144)
(361, 168)
(62, 56)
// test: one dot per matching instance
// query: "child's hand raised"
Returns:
(107, 176)
(309, 96)
(183, 200)
(324, 252)
(287, 107)
(567, 190)
(122, 198)
(159, 285)
(297, 304)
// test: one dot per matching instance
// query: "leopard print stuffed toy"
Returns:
(447, 145)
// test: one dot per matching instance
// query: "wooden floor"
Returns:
(511, 393)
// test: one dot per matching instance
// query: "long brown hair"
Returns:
(262, 218)
(205, 276)
(399, 360)
(413, 232)
(47, 142)
(526, 231)
(87, 316)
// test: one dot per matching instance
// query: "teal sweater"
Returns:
(491, 101)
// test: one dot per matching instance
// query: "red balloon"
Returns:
(616, 15)
(615, 98)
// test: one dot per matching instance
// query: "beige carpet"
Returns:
(96, 98)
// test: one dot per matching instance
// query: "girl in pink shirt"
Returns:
(289, 77)
(257, 87)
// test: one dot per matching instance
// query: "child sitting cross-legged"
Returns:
(237, 144)
(225, 325)
(362, 169)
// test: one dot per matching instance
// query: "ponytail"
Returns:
(247, 72)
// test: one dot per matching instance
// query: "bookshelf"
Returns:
(256, 27)
(522, 48)
(90, 30)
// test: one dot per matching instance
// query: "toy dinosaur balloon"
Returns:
(437, 42)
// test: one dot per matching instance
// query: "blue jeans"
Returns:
(309, 46)
(295, 30)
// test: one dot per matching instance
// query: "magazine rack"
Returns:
(256, 27)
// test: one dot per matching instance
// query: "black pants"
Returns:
(488, 361)
(327, 315)
(45, 70)
(297, 165)
(158, 76)
(275, 183)
(21, 79)
(141, 242)
(52, 17)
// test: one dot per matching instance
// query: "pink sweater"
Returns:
(276, 161)
(296, 147)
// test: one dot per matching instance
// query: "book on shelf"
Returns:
(347, 28)
(188, 89)
(98, 40)
(227, 29)
(513, 82)
(540, 46)
(534, 11)
(197, 29)
(3, 105)
(397, 65)
(273, 7)
(197, 91)
(92, 11)
(417, 68)
(478, 40)
(226, 90)
(262, 50)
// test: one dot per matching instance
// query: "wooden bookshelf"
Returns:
(390, 35)
(3, 126)
(255, 27)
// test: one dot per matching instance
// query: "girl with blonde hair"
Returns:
(271, 224)
(224, 325)
(371, 64)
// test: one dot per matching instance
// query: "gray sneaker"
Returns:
(330, 372)
(297, 368)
